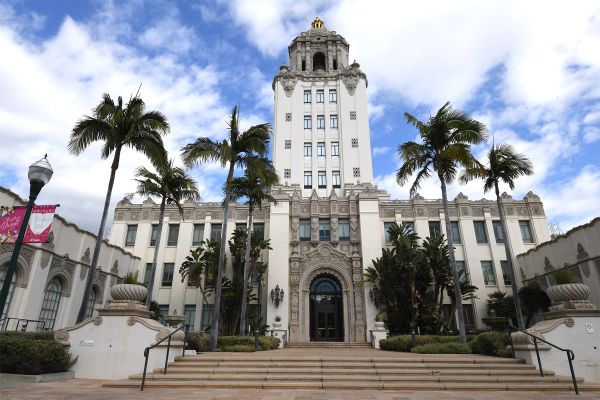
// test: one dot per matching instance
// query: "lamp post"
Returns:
(39, 174)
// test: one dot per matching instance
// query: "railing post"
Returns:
(537, 352)
(146, 352)
(510, 341)
(571, 357)
(167, 357)
(185, 331)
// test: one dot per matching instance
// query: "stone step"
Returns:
(415, 359)
(406, 385)
(341, 371)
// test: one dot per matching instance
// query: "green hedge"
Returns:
(491, 344)
(21, 355)
(28, 335)
(404, 342)
(442, 348)
(199, 342)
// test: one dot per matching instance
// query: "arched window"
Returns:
(51, 302)
(91, 303)
(319, 62)
(11, 289)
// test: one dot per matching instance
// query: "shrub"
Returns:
(199, 342)
(241, 348)
(27, 356)
(27, 335)
(443, 348)
(562, 276)
(490, 343)
(404, 342)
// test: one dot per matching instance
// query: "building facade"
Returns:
(47, 288)
(330, 220)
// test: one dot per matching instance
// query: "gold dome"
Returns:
(317, 24)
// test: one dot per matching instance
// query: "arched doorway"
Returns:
(326, 309)
(319, 62)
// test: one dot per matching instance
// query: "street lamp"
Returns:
(277, 296)
(39, 174)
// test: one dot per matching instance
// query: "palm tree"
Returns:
(172, 185)
(504, 165)
(235, 151)
(446, 145)
(118, 126)
(435, 252)
(255, 186)
(467, 292)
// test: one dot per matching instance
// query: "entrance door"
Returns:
(326, 322)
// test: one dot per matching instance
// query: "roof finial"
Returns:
(317, 24)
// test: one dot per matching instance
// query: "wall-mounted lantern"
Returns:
(277, 295)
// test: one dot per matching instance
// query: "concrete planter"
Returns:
(379, 325)
(568, 292)
(128, 292)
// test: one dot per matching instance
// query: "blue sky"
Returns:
(529, 70)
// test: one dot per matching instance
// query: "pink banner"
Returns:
(40, 224)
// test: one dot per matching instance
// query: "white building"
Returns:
(330, 220)
(47, 289)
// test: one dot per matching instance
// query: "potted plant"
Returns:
(130, 289)
(567, 294)
(277, 323)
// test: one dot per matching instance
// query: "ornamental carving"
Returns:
(85, 258)
(465, 210)
(351, 75)
(200, 215)
(522, 211)
(115, 267)
(387, 213)
(288, 79)
(145, 215)
(119, 215)
(510, 211)
(548, 265)
(581, 253)
(295, 225)
(433, 212)
(420, 212)
(477, 212)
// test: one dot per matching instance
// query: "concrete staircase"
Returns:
(302, 369)
(329, 345)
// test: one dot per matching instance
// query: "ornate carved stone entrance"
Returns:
(327, 261)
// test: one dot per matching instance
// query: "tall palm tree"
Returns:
(235, 151)
(504, 165)
(172, 185)
(446, 145)
(255, 186)
(118, 126)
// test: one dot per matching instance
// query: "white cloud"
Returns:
(377, 151)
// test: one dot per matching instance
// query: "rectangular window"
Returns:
(498, 231)
(163, 310)
(332, 96)
(173, 235)
(434, 228)
(320, 122)
(386, 227)
(215, 232)
(489, 276)
(304, 230)
(190, 316)
(411, 226)
(324, 230)
(259, 230)
(469, 314)
(153, 235)
(307, 122)
(335, 179)
(455, 232)
(526, 231)
(505, 272)
(321, 149)
(131, 234)
(344, 228)
(307, 149)
(335, 149)
(208, 311)
(167, 277)
(333, 121)
(320, 96)
(147, 274)
(322, 180)
(307, 96)
(198, 235)
(480, 233)
(307, 179)
(460, 269)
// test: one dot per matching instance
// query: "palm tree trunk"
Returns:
(156, 249)
(457, 293)
(509, 260)
(92, 273)
(214, 336)
(246, 269)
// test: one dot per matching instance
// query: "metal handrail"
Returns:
(182, 328)
(570, 355)
(6, 320)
